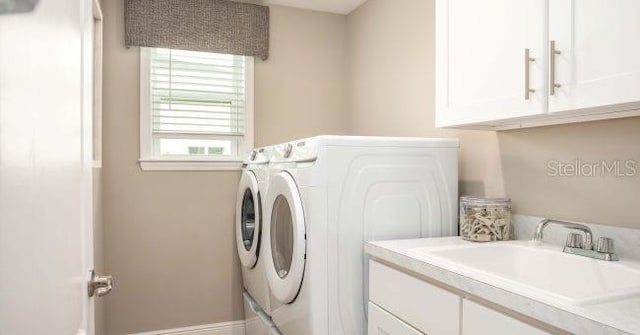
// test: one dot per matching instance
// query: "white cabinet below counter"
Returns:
(428, 308)
(403, 304)
(481, 320)
(512, 64)
(382, 322)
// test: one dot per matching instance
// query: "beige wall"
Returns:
(301, 89)
(170, 239)
(392, 86)
(391, 52)
(606, 200)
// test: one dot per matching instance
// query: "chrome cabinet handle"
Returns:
(527, 62)
(552, 68)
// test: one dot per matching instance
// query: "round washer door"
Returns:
(248, 219)
(284, 238)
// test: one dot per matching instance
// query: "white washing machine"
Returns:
(329, 194)
(249, 232)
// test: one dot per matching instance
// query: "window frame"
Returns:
(150, 162)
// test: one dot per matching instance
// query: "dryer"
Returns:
(329, 194)
(249, 233)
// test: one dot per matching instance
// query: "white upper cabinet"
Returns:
(588, 49)
(598, 59)
(482, 72)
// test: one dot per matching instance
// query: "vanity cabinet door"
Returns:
(430, 309)
(599, 61)
(383, 323)
(480, 320)
(481, 70)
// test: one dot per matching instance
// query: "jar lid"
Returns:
(485, 201)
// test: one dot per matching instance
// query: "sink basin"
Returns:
(540, 270)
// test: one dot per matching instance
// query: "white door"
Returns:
(285, 241)
(45, 169)
(599, 53)
(482, 73)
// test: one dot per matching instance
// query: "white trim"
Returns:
(249, 102)
(551, 119)
(145, 104)
(98, 47)
(222, 328)
(87, 323)
(166, 164)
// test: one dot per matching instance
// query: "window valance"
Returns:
(219, 26)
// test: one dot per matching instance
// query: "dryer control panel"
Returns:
(303, 151)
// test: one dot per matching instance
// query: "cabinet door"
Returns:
(480, 320)
(383, 323)
(599, 61)
(480, 60)
(428, 308)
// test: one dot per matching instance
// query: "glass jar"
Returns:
(485, 219)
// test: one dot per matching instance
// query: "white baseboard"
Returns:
(223, 328)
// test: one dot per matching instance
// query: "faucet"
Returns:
(588, 236)
(574, 245)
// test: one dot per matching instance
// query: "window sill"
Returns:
(169, 164)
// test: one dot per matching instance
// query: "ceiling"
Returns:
(331, 6)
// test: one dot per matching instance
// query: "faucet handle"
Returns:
(574, 240)
(605, 245)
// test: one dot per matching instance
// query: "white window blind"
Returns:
(197, 103)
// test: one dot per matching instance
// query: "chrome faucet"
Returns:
(574, 244)
(588, 236)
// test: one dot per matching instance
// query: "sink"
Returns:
(539, 270)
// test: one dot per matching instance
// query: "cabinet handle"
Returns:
(552, 68)
(527, 61)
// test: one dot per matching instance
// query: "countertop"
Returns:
(615, 317)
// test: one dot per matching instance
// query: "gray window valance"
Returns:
(220, 26)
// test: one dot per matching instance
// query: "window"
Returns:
(196, 109)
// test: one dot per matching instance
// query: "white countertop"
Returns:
(615, 317)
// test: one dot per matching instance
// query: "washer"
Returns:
(326, 196)
(249, 232)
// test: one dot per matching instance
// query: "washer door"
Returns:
(284, 238)
(248, 219)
